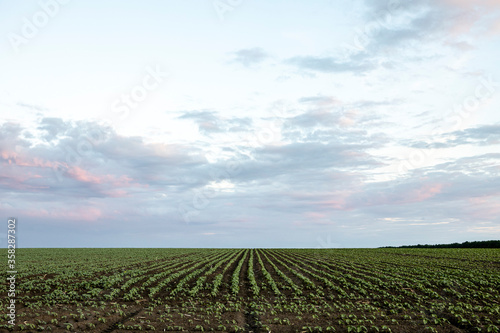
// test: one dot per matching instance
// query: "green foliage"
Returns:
(354, 290)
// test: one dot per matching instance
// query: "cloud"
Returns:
(391, 31)
(329, 64)
(209, 122)
(9, 131)
(54, 127)
(76, 166)
(315, 177)
(249, 57)
(206, 120)
(32, 107)
(450, 18)
(80, 213)
(466, 189)
(485, 135)
(470, 14)
(461, 46)
(327, 119)
(327, 112)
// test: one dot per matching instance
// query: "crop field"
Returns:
(259, 290)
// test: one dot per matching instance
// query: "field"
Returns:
(238, 290)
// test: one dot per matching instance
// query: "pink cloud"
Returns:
(14, 178)
(337, 203)
(109, 181)
(463, 23)
(495, 28)
(17, 171)
(85, 176)
(75, 214)
(315, 215)
(400, 197)
(13, 158)
(334, 200)
(425, 192)
(116, 193)
(484, 208)
(472, 11)
(74, 172)
(468, 4)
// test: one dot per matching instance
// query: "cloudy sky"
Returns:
(235, 123)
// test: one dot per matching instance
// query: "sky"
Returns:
(235, 123)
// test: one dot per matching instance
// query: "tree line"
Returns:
(476, 245)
